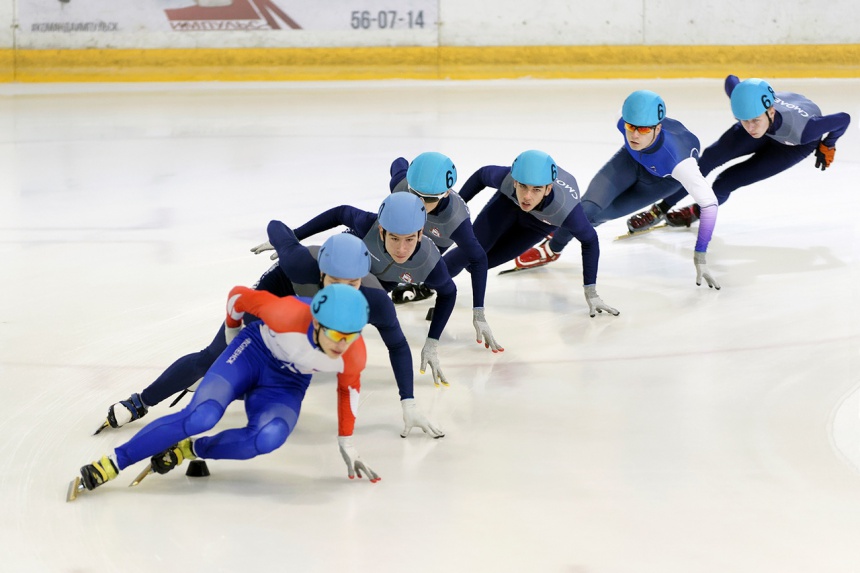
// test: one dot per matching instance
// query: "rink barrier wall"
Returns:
(447, 62)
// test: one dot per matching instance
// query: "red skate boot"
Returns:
(537, 256)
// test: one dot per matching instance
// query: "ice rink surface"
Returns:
(697, 432)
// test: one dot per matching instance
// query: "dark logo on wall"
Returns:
(221, 15)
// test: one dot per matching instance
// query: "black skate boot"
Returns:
(97, 473)
(646, 219)
(404, 293)
(683, 217)
(132, 409)
(173, 457)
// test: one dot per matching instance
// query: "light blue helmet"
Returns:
(340, 307)
(402, 214)
(344, 256)
(643, 108)
(431, 173)
(535, 168)
(751, 98)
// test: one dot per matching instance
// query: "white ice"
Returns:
(697, 432)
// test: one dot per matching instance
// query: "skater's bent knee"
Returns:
(203, 417)
(272, 436)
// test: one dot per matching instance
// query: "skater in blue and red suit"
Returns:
(269, 365)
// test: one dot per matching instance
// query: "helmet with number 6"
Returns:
(340, 307)
(751, 98)
(402, 214)
(535, 168)
(643, 108)
(344, 256)
(431, 173)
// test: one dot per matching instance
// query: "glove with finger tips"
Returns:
(699, 259)
(412, 417)
(429, 355)
(824, 156)
(483, 333)
(354, 464)
(595, 303)
(263, 247)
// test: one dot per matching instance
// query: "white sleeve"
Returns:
(687, 174)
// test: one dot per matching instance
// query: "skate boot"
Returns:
(126, 411)
(646, 219)
(97, 473)
(537, 256)
(173, 457)
(683, 217)
(404, 293)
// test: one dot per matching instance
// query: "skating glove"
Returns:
(431, 357)
(702, 271)
(483, 332)
(263, 247)
(413, 417)
(354, 465)
(595, 303)
(824, 156)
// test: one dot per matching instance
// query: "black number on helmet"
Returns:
(554, 171)
(449, 179)
(318, 304)
(661, 111)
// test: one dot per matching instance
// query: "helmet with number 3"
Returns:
(340, 307)
(431, 173)
(751, 98)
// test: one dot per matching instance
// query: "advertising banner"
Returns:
(98, 20)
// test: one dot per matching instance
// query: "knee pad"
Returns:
(203, 417)
(272, 436)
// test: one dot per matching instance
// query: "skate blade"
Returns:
(106, 424)
(75, 487)
(637, 233)
(146, 471)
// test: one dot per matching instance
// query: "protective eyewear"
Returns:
(426, 198)
(643, 130)
(337, 336)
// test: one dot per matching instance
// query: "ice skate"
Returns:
(404, 293)
(533, 258)
(167, 460)
(124, 412)
(92, 476)
(683, 217)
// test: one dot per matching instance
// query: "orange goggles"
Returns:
(337, 336)
(643, 130)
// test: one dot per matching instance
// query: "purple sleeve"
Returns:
(707, 222)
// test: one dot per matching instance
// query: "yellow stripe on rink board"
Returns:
(495, 62)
